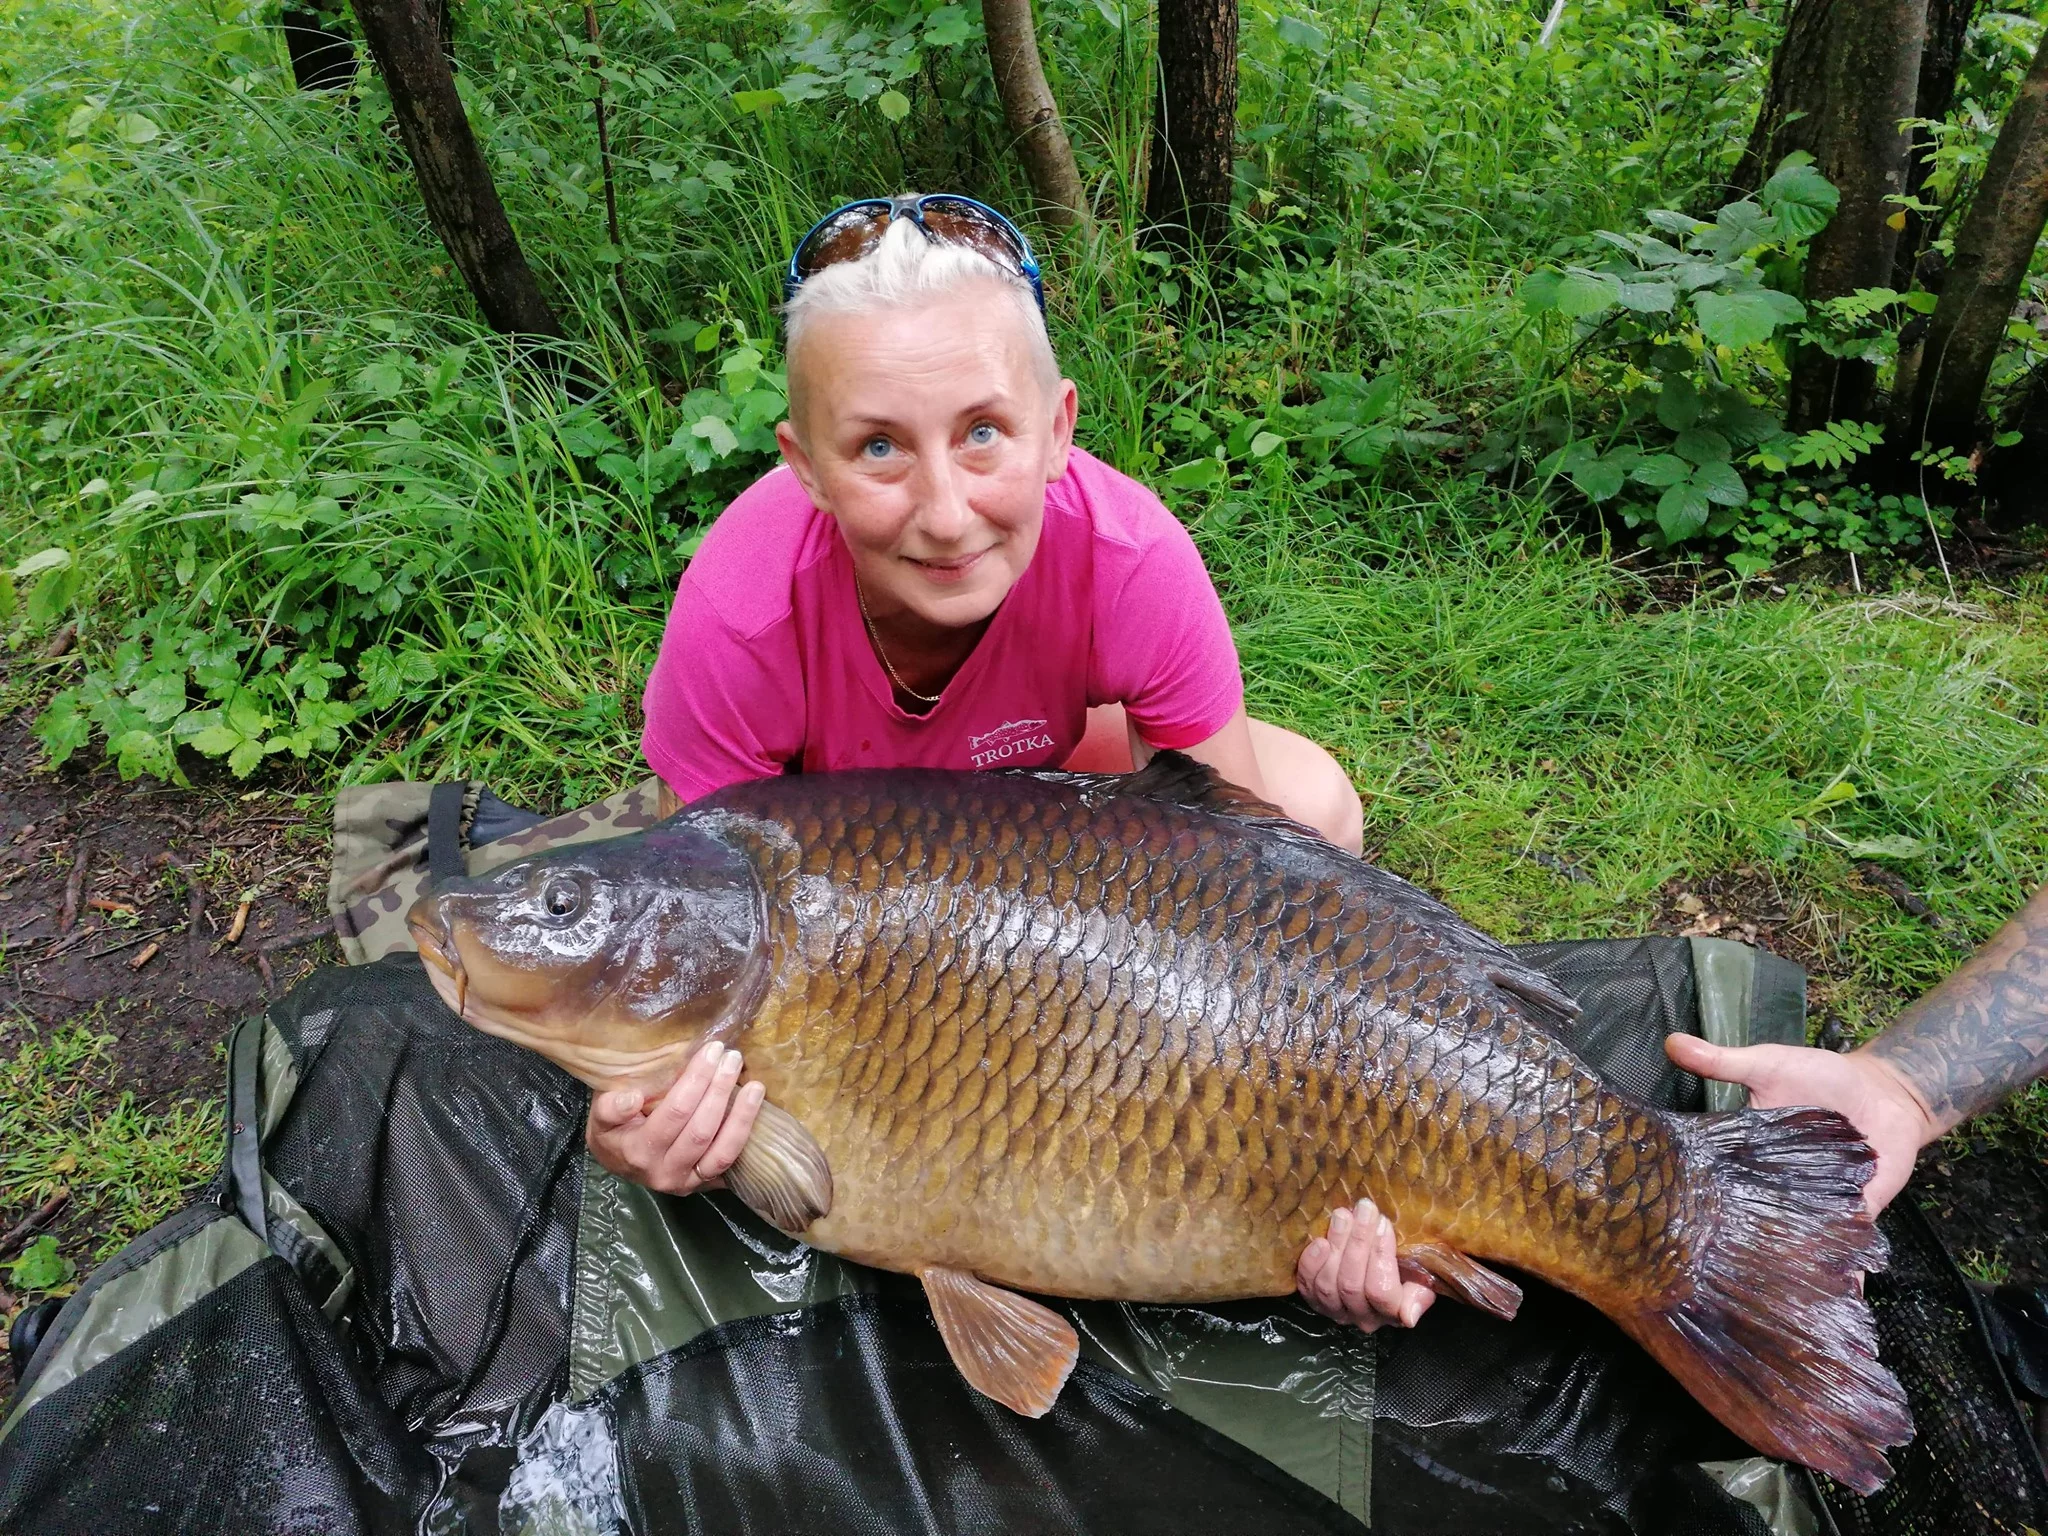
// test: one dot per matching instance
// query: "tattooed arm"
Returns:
(1977, 1037)
(1983, 1032)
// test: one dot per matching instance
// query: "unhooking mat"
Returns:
(409, 1303)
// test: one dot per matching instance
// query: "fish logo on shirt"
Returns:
(1006, 741)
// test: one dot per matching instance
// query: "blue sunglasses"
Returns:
(849, 232)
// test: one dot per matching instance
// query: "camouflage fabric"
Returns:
(380, 852)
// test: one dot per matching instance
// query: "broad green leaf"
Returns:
(10, 599)
(1648, 298)
(1659, 469)
(1305, 35)
(41, 1267)
(1744, 319)
(1265, 443)
(948, 27)
(1582, 291)
(247, 753)
(63, 727)
(52, 559)
(1539, 291)
(1799, 198)
(802, 86)
(1682, 511)
(161, 698)
(757, 101)
(722, 174)
(80, 122)
(383, 379)
(136, 128)
(1720, 484)
(1673, 223)
(1702, 445)
(715, 431)
(1678, 403)
(1197, 475)
(1738, 227)
(1599, 480)
(216, 741)
(894, 104)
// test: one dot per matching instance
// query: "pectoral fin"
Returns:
(1451, 1273)
(1006, 1345)
(781, 1173)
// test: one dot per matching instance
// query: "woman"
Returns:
(936, 577)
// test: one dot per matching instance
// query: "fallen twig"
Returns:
(26, 1228)
(129, 943)
(269, 976)
(107, 904)
(307, 935)
(145, 957)
(74, 884)
(61, 642)
(234, 933)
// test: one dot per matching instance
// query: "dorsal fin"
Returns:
(1177, 779)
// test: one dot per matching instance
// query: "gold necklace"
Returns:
(876, 640)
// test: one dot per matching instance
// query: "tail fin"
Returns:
(1775, 1340)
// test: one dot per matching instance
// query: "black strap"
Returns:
(444, 832)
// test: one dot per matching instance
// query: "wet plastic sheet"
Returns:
(742, 1391)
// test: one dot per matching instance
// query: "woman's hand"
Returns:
(686, 1139)
(1354, 1276)
(1859, 1086)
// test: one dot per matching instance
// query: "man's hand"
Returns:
(1860, 1086)
(1354, 1276)
(687, 1138)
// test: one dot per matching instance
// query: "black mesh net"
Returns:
(1972, 1469)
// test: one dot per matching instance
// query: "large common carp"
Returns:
(1135, 1038)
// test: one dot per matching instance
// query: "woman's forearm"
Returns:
(1983, 1033)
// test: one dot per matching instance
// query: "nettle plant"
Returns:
(1691, 334)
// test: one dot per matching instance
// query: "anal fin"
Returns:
(1450, 1273)
(1007, 1346)
(781, 1173)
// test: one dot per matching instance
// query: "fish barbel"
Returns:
(1136, 1038)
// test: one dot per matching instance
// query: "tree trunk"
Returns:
(1948, 23)
(1993, 249)
(1792, 100)
(1032, 115)
(1194, 121)
(455, 184)
(1868, 85)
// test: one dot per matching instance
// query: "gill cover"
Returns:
(603, 951)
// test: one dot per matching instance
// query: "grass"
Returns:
(126, 1169)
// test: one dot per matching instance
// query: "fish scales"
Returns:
(1130, 967)
(1138, 1039)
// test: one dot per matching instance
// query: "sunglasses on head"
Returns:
(848, 233)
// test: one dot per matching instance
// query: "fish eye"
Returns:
(562, 897)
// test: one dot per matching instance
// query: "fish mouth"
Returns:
(437, 949)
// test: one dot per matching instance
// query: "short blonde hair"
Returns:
(903, 271)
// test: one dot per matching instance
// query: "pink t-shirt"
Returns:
(765, 664)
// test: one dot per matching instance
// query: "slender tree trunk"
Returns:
(1869, 85)
(1948, 23)
(1032, 115)
(1993, 249)
(455, 183)
(1194, 121)
(1793, 98)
